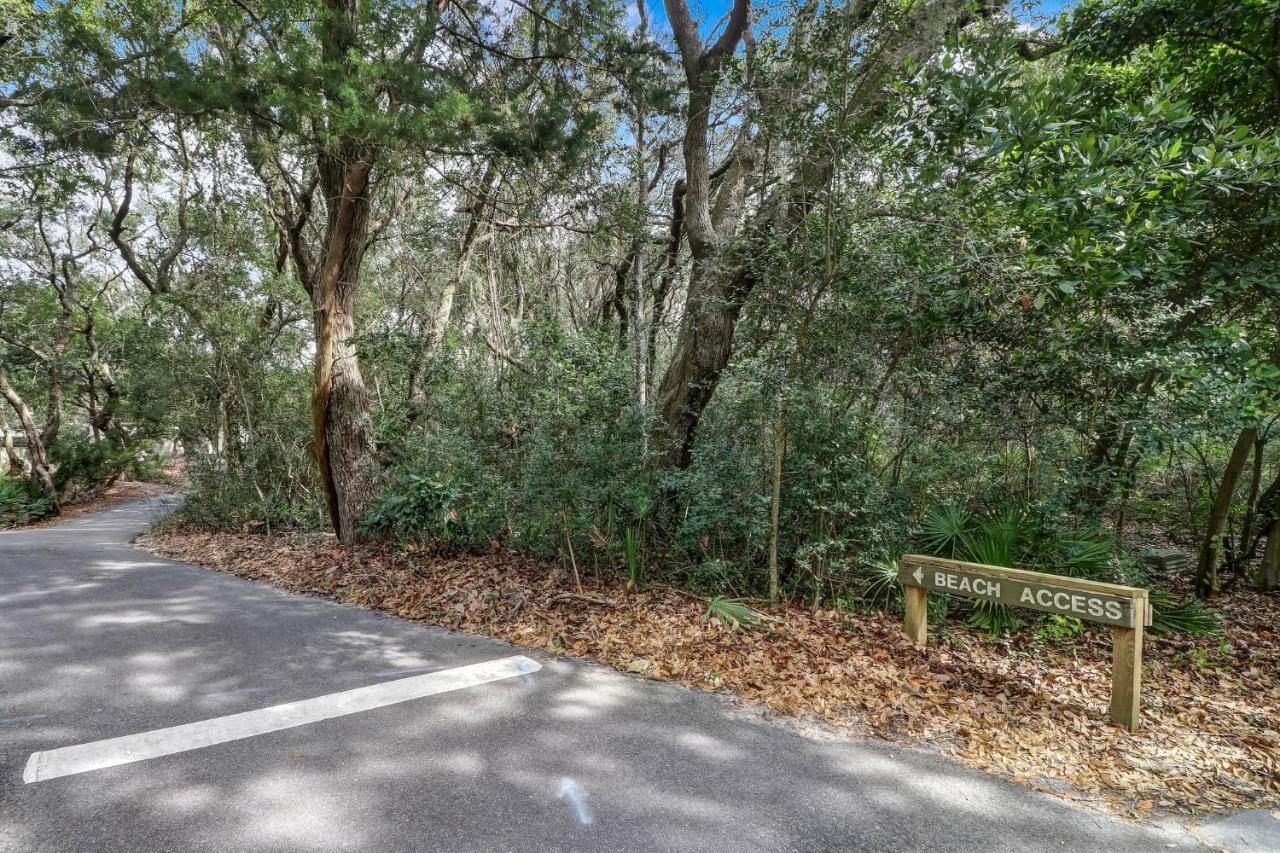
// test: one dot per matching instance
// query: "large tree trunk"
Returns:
(703, 348)
(342, 438)
(342, 424)
(1211, 546)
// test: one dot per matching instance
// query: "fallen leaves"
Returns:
(1035, 713)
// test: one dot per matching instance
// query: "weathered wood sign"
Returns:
(1125, 608)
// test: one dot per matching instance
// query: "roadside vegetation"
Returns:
(727, 313)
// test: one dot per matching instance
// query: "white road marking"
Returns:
(84, 757)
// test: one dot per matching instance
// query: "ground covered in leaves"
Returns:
(1029, 708)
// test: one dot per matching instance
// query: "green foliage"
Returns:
(632, 545)
(551, 453)
(1011, 308)
(944, 531)
(994, 543)
(83, 464)
(879, 584)
(21, 501)
(1036, 542)
(416, 506)
(1030, 538)
(733, 613)
(1088, 558)
(1173, 615)
(1056, 627)
(218, 500)
(993, 617)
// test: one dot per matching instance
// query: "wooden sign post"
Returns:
(1124, 608)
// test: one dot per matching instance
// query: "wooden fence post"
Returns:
(916, 626)
(1126, 669)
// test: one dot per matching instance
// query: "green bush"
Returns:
(416, 505)
(21, 501)
(221, 501)
(541, 459)
(81, 465)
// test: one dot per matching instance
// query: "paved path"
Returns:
(98, 641)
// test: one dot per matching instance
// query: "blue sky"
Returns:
(711, 11)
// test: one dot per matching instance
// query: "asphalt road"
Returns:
(98, 641)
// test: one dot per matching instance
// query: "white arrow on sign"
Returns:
(918, 574)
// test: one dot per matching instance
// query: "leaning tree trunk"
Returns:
(703, 348)
(40, 471)
(342, 437)
(1211, 546)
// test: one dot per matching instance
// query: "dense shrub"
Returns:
(21, 501)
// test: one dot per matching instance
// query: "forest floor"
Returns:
(122, 491)
(1025, 706)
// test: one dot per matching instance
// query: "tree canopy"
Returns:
(750, 305)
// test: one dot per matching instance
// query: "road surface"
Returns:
(100, 641)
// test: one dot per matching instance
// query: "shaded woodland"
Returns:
(746, 301)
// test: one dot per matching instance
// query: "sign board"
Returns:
(1124, 608)
(1109, 604)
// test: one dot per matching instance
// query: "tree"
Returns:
(330, 96)
(722, 245)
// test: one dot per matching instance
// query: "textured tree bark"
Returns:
(342, 425)
(703, 348)
(342, 428)
(15, 460)
(40, 470)
(1211, 546)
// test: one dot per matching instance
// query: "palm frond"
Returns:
(733, 613)
(943, 530)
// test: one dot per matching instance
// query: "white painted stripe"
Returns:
(53, 763)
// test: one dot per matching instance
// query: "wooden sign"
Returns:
(1125, 608)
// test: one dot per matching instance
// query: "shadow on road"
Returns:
(98, 640)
